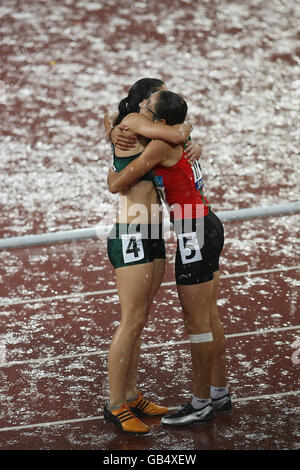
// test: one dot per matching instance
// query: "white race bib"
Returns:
(198, 176)
(189, 247)
(132, 247)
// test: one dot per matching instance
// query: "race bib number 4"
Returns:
(189, 247)
(132, 247)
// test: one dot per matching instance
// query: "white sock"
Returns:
(199, 403)
(218, 392)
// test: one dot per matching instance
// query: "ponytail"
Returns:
(123, 110)
(140, 90)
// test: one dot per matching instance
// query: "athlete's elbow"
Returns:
(116, 187)
(113, 188)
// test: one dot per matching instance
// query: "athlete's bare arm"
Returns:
(154, 153)
(109, 122)
(140, 125)
(118, 135)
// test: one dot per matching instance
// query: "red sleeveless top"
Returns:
(181, 188)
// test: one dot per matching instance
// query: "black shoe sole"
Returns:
(211, 415)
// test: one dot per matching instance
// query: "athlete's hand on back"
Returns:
(193, 152)
(120, 139)
(112, 177)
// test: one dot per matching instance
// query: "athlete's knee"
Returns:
(196, 325)
(218, 331)
(135, 324)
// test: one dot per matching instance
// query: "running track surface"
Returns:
(57, 330)
(63, 66)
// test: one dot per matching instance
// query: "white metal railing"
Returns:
(102, 231)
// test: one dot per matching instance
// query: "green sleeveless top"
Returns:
(121, 162)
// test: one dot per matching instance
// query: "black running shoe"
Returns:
(187, 414)
(222, 404)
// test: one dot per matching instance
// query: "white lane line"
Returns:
(7, 302)
(96, 418)
(262, 271)
(266, 397)
(50, 423)
(101, 353)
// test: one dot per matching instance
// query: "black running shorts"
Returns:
(199, 246)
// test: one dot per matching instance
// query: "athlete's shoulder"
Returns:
(132, 117)
(161, 144)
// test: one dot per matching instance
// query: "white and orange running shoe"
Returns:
(141, 406)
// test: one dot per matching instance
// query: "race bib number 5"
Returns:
(132, 247)
(189, 247)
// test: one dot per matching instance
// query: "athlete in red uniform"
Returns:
(181, 185)
(200, 241)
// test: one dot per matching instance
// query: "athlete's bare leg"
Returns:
(134, 285)
(196, 304)
(218, 377)
(131, 385)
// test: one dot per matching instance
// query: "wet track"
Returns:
(63, 64)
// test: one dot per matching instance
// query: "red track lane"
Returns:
(56, 349)
(64, 65)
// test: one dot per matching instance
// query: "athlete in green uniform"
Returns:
(136, 250)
